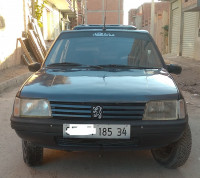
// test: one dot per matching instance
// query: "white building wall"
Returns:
(51, 26)
(12, 12)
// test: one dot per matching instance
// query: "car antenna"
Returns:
(104, 23)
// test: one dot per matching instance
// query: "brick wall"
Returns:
(94, 5)
(161, 20)
(132, 17)
(146, 13)
(146, 16)
(80, 12)
(96, 10)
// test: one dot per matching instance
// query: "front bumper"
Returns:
(144, 134)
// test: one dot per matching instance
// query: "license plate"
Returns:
(104, 131)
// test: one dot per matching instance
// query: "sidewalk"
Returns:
(13, 76)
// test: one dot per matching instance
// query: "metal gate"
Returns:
(175, 30)
(189, 34)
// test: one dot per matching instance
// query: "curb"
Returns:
(14, 81)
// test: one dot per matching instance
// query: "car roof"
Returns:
(120, 27)
(105, 30)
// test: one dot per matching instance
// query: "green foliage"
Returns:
(165, 31)
(166, 27)
(39, 11)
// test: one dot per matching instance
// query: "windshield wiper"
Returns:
(65, 64)
(123, 66)
(114, 66)
(143, 67)
(72, 64)
(95, 66)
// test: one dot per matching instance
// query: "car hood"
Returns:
(75, 85)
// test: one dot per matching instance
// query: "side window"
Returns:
(153, 59)
(59, 52)
(143, 54)
(63, 57)
(55, 54)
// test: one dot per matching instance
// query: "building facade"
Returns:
(185, 28)
(132, 14)
(81, 11)
(14, 23)
(141, 18)
(161, 25)
(97, 10)
(11, 27)
(135, 17)
(59, 15)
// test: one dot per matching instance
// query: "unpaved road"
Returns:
(189, 79)
(58, 164)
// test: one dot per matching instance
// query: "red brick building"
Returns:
(97, 9)
(132, 13)
(141, 18)
(135, 17)
(81, 11)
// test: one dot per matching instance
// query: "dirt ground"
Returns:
(12, 72)
(189, 79)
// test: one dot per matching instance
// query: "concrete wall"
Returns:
(138, 22)
(12, 12)
(96, 10)
(189, 3)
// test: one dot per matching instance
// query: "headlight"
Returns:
(31, 108)
(165, 110)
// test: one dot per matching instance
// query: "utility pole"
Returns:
(85, 21)
(33, 8)
(152, 18)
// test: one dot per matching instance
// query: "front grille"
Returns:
(82, 110)
(95, 142)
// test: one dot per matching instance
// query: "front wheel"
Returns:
(175, 154)
(32, 154)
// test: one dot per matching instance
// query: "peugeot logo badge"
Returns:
(97, 112)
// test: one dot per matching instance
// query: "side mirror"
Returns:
(34, 67)
(175, 69)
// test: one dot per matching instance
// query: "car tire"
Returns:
(32, 154)
(175, 154)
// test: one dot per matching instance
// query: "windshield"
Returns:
(110, 49)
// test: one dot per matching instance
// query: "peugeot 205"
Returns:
(103, 89)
